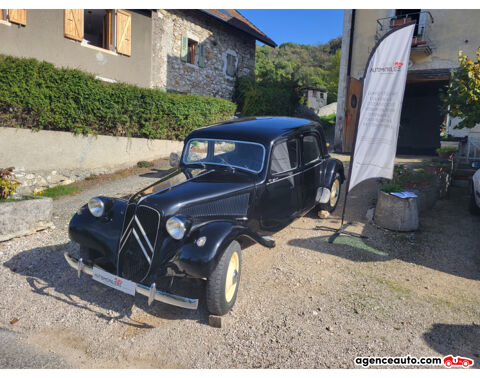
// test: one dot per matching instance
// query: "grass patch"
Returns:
(355, 243)
(394, 286)
(59, 191)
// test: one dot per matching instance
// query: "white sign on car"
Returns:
(113, 281)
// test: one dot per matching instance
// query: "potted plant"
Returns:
(8, 184)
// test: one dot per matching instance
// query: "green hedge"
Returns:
(37, 95)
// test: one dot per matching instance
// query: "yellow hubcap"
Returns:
(232, 277)
(334, 193)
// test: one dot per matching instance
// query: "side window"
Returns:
(284, 156)
(311, 149)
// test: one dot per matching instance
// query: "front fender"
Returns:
(198, 261)
(101, 234)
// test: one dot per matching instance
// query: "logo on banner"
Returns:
(396, 67)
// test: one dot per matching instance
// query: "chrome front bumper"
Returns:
(150, 292)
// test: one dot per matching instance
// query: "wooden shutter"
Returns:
(73, 24)
(18, 16)
(124, 33)
(184, 50)
(201, 55)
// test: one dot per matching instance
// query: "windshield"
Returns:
(245, 155)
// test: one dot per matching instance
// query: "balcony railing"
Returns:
(423, 28)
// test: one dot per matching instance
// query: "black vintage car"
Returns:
(244, 178)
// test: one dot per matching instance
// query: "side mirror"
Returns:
(175, 159)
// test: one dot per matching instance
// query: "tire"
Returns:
(335, 190)
(474, 209)
(222, 285)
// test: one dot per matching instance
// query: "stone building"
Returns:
(316, 99)
(438, 37)
(200, 52)
(189, 51)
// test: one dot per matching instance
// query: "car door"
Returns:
(312, 160)
(279, 202)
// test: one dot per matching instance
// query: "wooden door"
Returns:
(353, 97)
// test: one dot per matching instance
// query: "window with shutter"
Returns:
(184, 48)
(18, 16)
(73, 24)
(192, 51)
(201, 55)
(124, 33)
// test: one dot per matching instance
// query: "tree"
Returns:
(462, 96)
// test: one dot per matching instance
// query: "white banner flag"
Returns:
(380, 108)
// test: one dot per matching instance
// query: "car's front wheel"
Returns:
(335, 189)
(222, 285)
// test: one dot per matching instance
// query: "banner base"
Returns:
(338, 231)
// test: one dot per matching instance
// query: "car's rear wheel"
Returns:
(222, 285)
(335, 189)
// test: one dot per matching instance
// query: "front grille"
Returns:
(138, 242)
(231, 206)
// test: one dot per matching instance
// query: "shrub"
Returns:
(39, 96)
(8, 184)
(444, 151)
(390, 187)
(328, 121)
(144, 164)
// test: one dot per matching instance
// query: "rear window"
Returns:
(311, 149)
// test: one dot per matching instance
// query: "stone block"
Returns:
(396, 214)
(23, 217)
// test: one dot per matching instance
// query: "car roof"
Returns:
(254, 129)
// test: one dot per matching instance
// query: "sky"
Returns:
(306, 26)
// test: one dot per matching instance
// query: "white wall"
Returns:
(58, 150)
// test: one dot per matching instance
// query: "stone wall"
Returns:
(170, 73)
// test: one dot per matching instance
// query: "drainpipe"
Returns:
(345, 70)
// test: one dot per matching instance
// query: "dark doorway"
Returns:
(421, 118)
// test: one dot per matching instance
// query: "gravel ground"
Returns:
(303, 304)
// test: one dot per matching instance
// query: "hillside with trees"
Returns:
(282, 73)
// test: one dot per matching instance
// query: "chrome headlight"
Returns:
(96, 207)
(176, 228)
